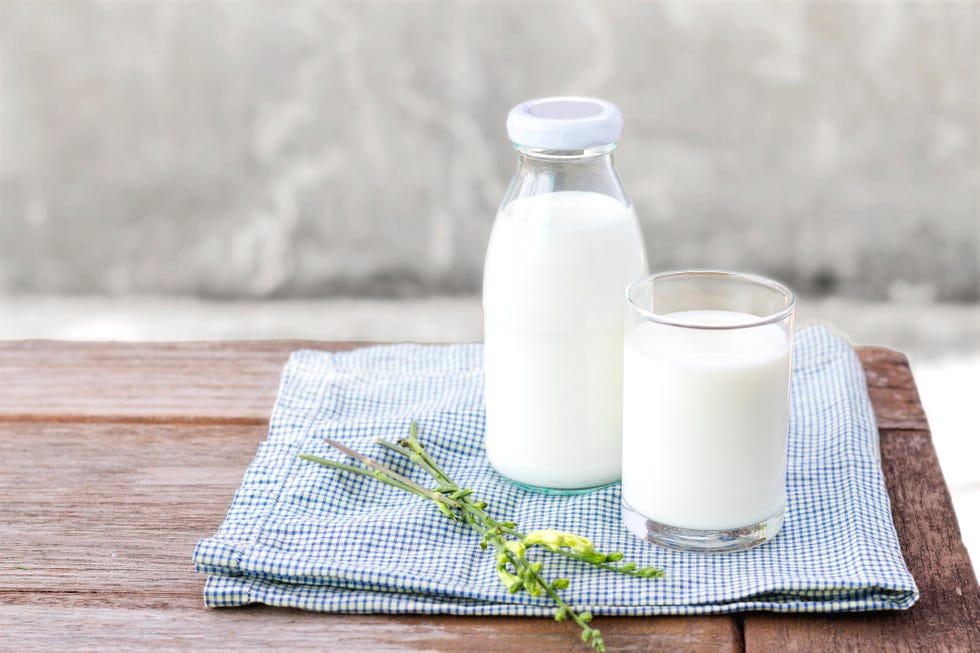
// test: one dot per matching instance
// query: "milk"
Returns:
(557, 265)
(704, 421)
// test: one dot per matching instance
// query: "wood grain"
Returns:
(892, 390)
(116, 458)
(110, 513)
(51, 628)
(182, 382)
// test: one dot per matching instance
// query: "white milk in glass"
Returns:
(556, 269)
(704, 421)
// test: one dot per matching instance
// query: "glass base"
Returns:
(703, 541)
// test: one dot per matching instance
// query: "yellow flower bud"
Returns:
(516, 547)
(548, 538)
(577, 543)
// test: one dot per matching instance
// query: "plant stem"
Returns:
(457, 503)
(390, 477)
(384, 469)
(412, 448)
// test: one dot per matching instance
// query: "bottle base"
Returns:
(555, 491)
(703, 540)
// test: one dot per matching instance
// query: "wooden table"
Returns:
(116, 458)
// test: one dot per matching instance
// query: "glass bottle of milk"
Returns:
(563, 248)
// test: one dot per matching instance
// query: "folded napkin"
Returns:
(302, 535)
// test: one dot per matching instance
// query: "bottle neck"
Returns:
(565, 155)
(551, 171)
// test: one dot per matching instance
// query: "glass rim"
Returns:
(756, 279)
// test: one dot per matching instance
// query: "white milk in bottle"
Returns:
(563, 247)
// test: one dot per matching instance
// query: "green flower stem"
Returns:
(443, 503)
(382, 468)
(411, 447)
(642, 572)
(527, 571)
(377, 475)
(509, 544)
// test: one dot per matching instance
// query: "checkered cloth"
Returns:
(302, 535)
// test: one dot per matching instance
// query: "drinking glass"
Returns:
(706, 381)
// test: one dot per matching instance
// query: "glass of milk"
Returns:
(564, 245)
(706, 376)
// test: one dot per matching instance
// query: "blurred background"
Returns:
(330, 170)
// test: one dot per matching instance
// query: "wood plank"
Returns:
(109, 514)
(186, 382)
(86, 628)
(100, 521)
(235, 382)
(892, 389)
(947, 616)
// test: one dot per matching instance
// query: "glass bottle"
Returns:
(564, 246)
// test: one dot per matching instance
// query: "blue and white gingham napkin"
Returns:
(302, 535)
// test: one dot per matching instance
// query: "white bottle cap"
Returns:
(564, 123)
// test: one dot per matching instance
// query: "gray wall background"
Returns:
(310, 149)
